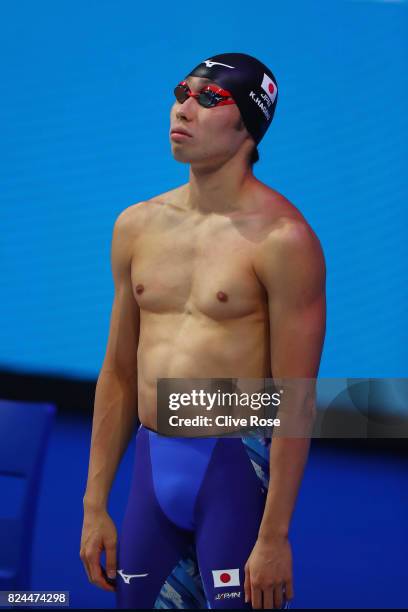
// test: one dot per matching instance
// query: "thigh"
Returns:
(150, 545)
(229, 511)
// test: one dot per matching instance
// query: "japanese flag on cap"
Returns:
(226, 578)
(269, 87)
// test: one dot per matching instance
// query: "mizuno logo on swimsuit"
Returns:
(210, 64)
(226, 578)
(127, 577)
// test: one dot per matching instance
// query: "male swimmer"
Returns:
(221, 277)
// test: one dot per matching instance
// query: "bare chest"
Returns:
(192, 270)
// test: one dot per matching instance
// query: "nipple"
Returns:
(223, 297)
(139, 289)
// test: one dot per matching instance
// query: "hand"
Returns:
(98, 534)
(268, 573)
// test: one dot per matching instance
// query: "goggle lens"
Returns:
(181, 92)
(207, 98)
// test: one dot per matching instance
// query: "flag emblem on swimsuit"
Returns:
(269, 87)
(226, 577)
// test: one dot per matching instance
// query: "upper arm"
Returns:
(294, 275)
(121, 351)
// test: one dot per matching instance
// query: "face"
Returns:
(216, 134)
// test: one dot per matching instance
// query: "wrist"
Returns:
(270, 535)
(93, 505)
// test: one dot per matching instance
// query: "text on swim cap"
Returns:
(261, 105)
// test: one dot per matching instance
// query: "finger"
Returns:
(86, 567)
(289, 592)
(85, 562)
(111, 560)
(268, 598)
(256, 597)
(102, 581)
(96, 573)
(108, 580)
(247, 586)
(278, 598)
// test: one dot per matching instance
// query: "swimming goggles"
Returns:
(209, 96)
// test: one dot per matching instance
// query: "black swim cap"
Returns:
(252, 85)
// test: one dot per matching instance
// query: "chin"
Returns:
(181, 156)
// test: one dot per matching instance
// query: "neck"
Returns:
(219, 188)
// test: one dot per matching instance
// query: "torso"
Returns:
(203, 309)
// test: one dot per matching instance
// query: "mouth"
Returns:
(178, 133)
(179, 137)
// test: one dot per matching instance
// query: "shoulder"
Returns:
(286, 228)
(135, 217)
(290, 249)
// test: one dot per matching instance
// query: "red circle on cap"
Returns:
(225, 577)
(271, 87)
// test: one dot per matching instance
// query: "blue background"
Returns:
(86, 89)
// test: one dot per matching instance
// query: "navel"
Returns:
(139, 289)
(223, 297)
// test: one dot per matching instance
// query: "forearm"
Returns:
(114, 418)
(288, 458)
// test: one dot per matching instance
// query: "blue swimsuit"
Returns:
(191, 521)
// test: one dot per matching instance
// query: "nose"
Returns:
(187, 109)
